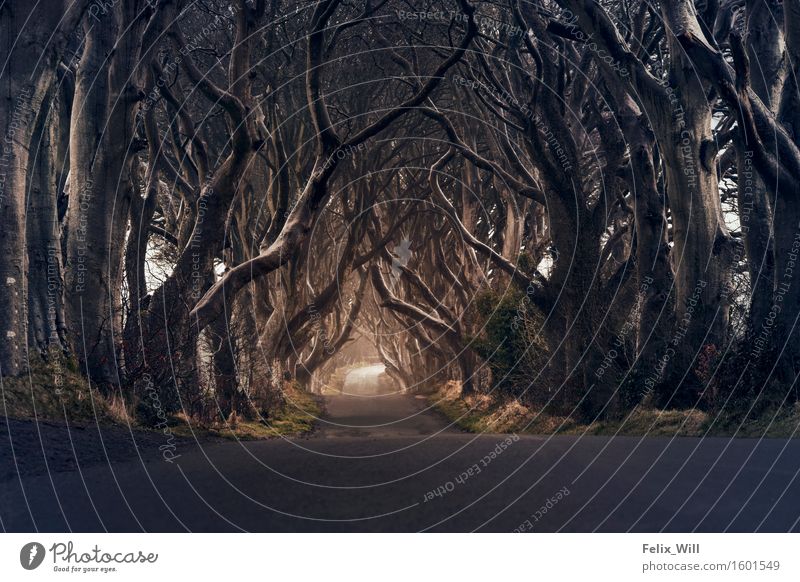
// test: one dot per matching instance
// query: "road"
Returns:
(383, 462)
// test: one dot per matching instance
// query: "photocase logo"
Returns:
(31, 555)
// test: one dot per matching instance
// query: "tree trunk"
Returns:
(46, 319)
(100, 192)
(765, 46)
(703, 249)
(653, 310)
(224, 366)
(25, 80)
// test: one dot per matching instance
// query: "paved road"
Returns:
(377, 458)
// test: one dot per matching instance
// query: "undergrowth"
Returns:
(483, 413)
(56, 391)
(295, 417)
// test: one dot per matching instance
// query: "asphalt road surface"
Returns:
(382, 462)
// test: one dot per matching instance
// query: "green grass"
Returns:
(54, 390)
(298, 414)
(782, 423)
(653, 422)
(295, 418)
(483, 414)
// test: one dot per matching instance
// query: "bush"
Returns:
(508, 341)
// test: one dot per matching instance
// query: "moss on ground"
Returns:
(298, 415)
(482, 413)
(295, 417)
(654, 422)
(771, 423)
(54, 390)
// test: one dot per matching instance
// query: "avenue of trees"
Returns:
(589, 205)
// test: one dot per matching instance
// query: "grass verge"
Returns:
(54, 390)
(482, 413)
(296, 417)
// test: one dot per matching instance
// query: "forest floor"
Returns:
(487, 414)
